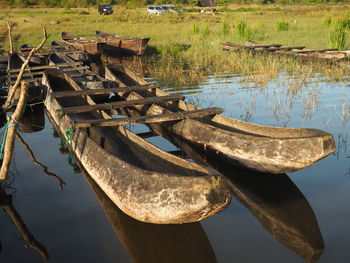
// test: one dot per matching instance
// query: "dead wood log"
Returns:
(7, 104)
(11, 133)
(10, 37)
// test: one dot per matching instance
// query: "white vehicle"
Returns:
(171, 9)
(154, 9)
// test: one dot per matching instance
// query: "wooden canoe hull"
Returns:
(126, 46)
(261, 148)
(146, 195)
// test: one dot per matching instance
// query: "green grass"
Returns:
(200, 34)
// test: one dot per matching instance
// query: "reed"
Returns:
(243, 31)
(337, 37)
(282, 26)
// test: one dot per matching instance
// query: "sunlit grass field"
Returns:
(192, 40)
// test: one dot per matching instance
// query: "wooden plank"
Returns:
(175, 116)
(46, 67)
(65, 70)
(317, 50)
(121, 104)
(62, 94)
(35, 73)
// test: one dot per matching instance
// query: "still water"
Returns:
(300, 217)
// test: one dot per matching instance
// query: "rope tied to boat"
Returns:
(182, 115)
(60, 113)
(68, 135)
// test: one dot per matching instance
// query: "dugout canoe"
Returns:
(122, 45)
(145, 182)
(296, 52)
(144, 243)
(262, 148)
(91, 46)
(35, 91)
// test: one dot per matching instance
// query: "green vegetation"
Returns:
(189, 44)
(282, 26)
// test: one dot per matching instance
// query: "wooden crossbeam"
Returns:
(120, 104)
(36, 73)
(46, 66)
(147, 119)
(62, 94)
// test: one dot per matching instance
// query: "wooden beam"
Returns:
(41, 73)
(46, 67)
(147, 119)
(120, 104)
(35, 73)
(62, 94)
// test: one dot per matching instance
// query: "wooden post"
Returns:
(11, 133)
(10, 37)
(7, 104)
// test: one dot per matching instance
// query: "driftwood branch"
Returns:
(11, 133)
(43, 167)
(13, 89)
(10, 37)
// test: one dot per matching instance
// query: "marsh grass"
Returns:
(243, 31)
(337, 37)
(201, 34)
(282, 26)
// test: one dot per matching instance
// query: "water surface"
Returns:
(299, 217)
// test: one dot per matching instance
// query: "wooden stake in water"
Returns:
(11, 133)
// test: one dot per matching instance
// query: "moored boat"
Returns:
(91, 46)
(297, 52)
(261, 148)
(145, 182)
(122, 45)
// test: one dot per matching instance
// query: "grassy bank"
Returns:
(191, 41)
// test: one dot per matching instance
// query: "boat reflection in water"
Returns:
(154, 243)
(33, 119)
(273, 199)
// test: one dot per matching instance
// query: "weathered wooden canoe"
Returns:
(261, 148)
(122, 45)
(35, 92)
(297, 52)
(144, 182)
(91, 46)
(144, 243)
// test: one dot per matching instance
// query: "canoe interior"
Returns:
(118, 144)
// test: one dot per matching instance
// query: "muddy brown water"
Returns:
(299, 217)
